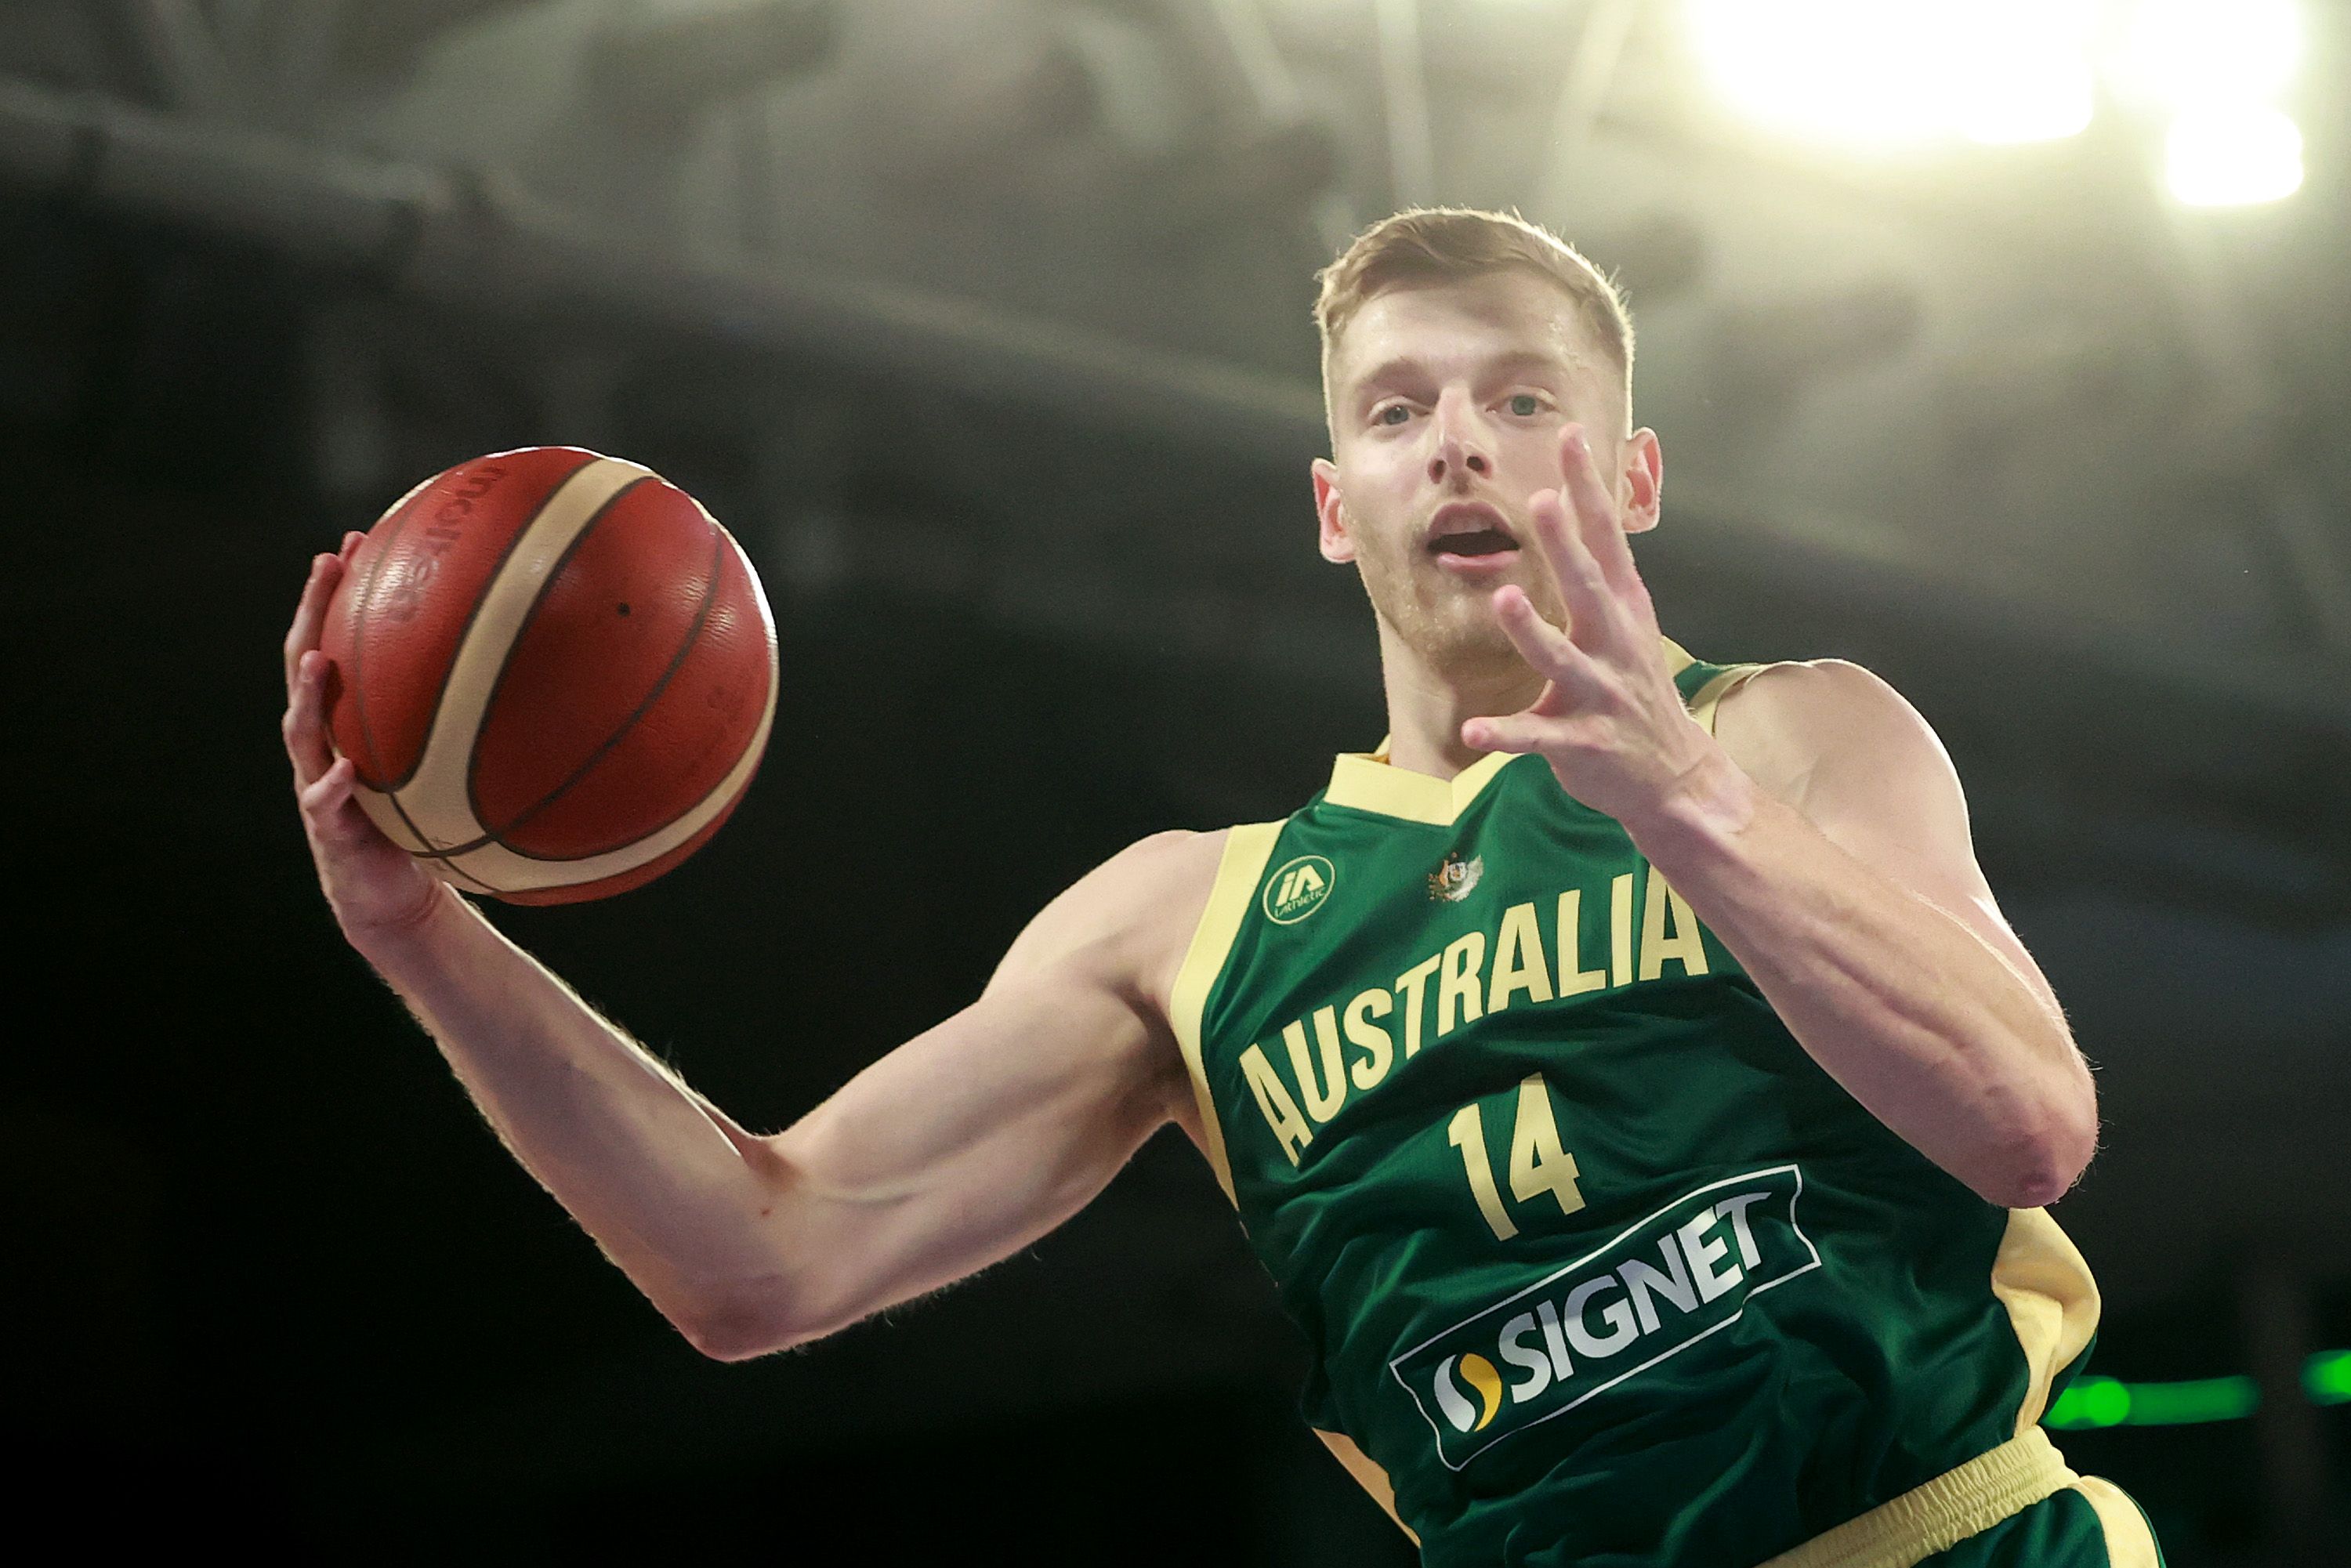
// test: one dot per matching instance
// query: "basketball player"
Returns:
(1623, 1071)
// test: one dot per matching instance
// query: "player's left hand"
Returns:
(1609, 720)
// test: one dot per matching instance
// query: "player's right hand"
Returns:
(376, 888)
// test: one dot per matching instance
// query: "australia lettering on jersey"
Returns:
(1475, 975)
(1654, 1289)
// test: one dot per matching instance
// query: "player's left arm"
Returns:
(1841, 871)
(1847, 887)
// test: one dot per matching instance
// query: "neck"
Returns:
(1427, 706)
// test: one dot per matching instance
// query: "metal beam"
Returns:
(470, 239)
(2240, 731)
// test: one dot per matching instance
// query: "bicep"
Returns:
(1864, 766)
(978, 1136)
(969, 1142)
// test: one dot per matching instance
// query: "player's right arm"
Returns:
(954, 1151)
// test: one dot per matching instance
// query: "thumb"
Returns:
(1515, 732)
(330, 804)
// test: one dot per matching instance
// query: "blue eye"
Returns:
(1394, 414)
(1525, 404)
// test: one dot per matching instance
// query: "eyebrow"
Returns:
(1404, 366)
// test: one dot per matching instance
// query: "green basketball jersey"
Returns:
(1592, 1259)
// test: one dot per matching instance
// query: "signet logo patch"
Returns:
(1298, 889)
(1656, 1289)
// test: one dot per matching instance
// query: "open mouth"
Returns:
(1473, 543)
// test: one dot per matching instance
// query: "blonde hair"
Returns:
(1442, 244)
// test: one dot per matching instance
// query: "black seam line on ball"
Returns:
(448, 865)
(358, 607)
(409, 823)
(360, 602)
(677, 661)
(441, 693)
(522, 630)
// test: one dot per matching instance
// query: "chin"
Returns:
(1470, 645)
(1455, 632)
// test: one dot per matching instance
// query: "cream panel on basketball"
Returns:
(435, 797)
(500, 868)
(378, 805)
(386, 817)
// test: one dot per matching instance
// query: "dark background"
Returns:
(1013, 417)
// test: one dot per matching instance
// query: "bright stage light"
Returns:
(2189, 54)
(2038, 97)
(1818, 68)
(2233, 156)
(1868, 73)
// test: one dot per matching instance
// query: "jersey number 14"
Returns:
(1538, 1164)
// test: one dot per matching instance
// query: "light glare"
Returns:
(2233, 157)
(2192, 53)
(2040, 98)
(1820, 66)
(1866, 73)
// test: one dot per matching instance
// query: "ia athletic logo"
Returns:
(1657, 1287)
(1298, 889)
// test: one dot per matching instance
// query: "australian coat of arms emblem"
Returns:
(1452, 881)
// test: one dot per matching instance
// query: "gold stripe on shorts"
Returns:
(2129, 1542)
(1943, 1512)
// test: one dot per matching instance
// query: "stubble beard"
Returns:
(1450, 626)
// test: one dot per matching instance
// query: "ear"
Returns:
(1641, 483)
(1337, 544)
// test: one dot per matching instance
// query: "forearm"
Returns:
(685, 1201)
(1917, 1017)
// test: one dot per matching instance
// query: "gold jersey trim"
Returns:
(1367, 781)
(1943, 1512)
(1242, 866)
(2130, 1541)
(2052, 1306)
(1708, 699)
(2053, 1303)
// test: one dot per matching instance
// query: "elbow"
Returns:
(2047, 1156)
(2034, 1185)
(724, 1341)
(741, 1328)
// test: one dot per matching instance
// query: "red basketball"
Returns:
(555, 671)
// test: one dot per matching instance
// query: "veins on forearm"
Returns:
(1854, 963)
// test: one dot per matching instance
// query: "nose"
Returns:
(1460, 450)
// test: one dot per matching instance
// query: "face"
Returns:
(1448, 404)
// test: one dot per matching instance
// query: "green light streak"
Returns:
(2090, 1401)
(2201, 1400)
(2326, 1377)
(2094, 1401)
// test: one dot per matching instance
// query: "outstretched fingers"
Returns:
(1548, 650)
(307, 668)
(1513, 732)
(1601, 532)
(311, 614)
(327, 802)
(305, 724)
(1583, 588)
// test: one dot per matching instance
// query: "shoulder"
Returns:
(1153, 872)
(1131, 917)
(1788, 725)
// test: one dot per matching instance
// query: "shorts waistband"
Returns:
(1944, 1511)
